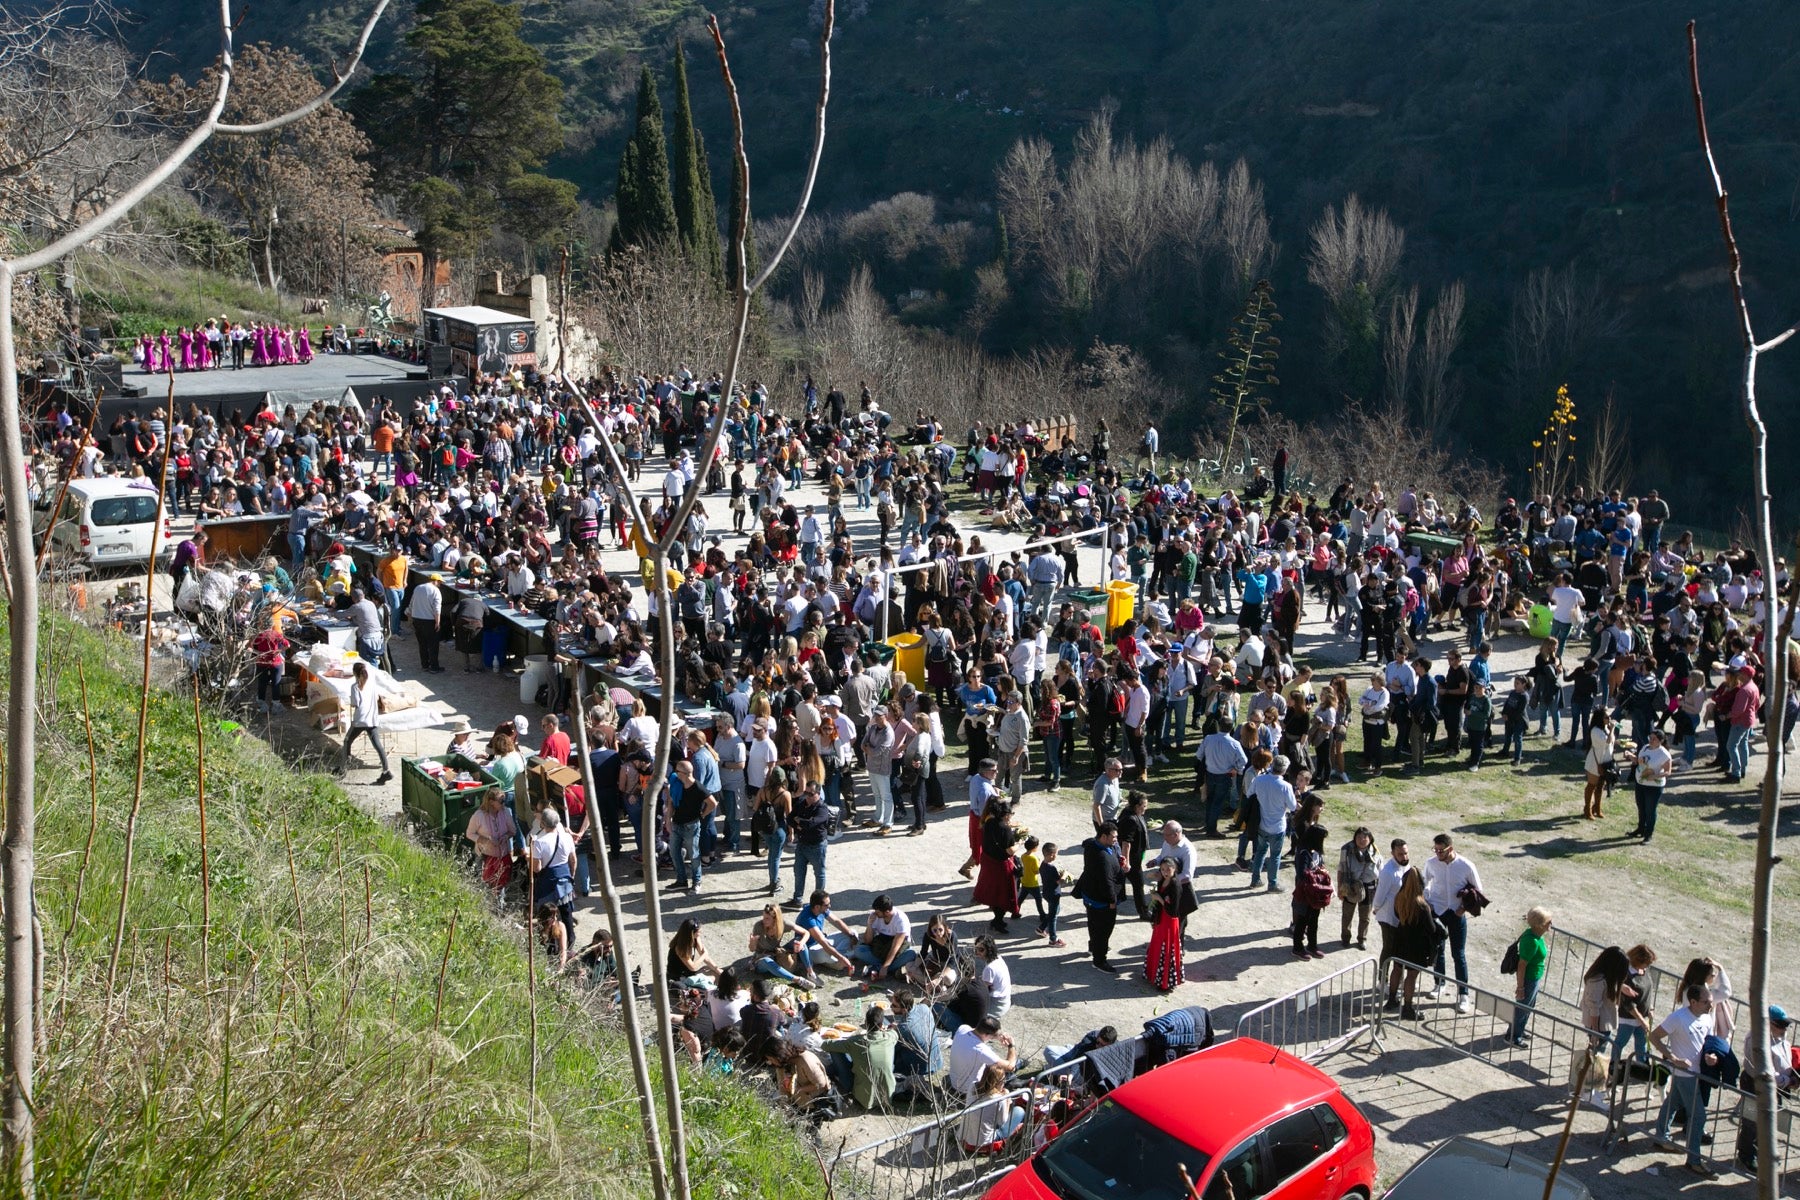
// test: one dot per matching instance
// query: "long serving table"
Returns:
(525, 636)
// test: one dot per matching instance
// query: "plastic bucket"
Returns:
(1121, 603)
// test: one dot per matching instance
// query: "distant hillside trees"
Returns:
(295, 193)
(460, 125)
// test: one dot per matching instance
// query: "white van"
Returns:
(105, 522)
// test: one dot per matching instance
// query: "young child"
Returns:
(1478, 717)
(1050, 893)
(1513, 719)
(1029, 862)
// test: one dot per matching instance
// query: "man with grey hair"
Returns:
(1275, 803)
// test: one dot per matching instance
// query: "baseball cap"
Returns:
(1778, 1014)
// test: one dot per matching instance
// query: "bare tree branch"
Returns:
(1775, 625)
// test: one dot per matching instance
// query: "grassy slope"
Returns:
(129, 300)
(309, 1062)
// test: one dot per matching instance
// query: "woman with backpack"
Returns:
(1312, 895)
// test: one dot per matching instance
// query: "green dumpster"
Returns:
(439, 794)
(877, 652)
(1087, 598)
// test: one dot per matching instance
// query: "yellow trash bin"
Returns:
(1121, 603)
(909, 657)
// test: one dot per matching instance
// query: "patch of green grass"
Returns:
(296, 1047)
(127, 301)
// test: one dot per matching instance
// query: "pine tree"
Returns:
(696, 211)
(750, 257)
(646, 208)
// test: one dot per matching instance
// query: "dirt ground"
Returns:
(1685, 894)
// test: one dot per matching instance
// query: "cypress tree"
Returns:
(696, 211)
(645, 205)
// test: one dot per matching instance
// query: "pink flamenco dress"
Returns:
(303, 345)
(259, 347)
(187, 349)
(165, 350)
(1162, 961)
(147, 354)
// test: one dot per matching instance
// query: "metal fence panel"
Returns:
(1335, 1012)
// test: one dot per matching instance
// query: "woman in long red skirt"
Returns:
(1174, 900)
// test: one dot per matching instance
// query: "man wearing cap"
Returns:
(427, 610)
(1012, 742)
(1781, 1067)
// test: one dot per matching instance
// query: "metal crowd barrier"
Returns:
(1331, 1014)
(928, 1161)
(1552, 1057)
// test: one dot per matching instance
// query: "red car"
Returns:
(1249, 1122)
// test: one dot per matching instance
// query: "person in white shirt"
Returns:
(885, 946)
(365, 712)
(426, 610)
(1176, 848)
(760, 756)
(1387, 885)
(1565, 611)
(1137, 711)
(1446, 876)
(1680, 1041)
(974, 1048)
(995, 978)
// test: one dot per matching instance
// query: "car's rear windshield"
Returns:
(123, 510)
(1115, 1153)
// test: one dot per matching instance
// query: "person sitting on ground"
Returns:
(994, 1118)
(974, 1049)
(869, 1061)
(917, 1054)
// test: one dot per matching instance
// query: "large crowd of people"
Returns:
(1649, 650)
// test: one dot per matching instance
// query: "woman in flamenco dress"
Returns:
(186, 337)
(1174, 900)
(147, 354)
(303, 345)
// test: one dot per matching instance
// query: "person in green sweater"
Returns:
(1534, 953)
(870, 1061)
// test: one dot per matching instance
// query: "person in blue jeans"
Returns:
(886, 945)
(1534, 953)
(810, 825)
(1275, 802)
(1680, 1041)
(816, 921)
(688, 808)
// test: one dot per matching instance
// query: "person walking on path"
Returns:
(365, 713)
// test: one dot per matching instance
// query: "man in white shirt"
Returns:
(759, 757)
(1680, 1041)
(1176, 848)
(1275, 802)
(1137, 711)
(1565, 610)
(1446, 876)
(365, 713)
(1387, 885)
(976, 1047)
(885, 946)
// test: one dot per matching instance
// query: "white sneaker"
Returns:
(1600, 1102)
(1465, 1005)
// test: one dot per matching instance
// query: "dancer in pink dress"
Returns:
(186, 337)
(164, 352)
(304, 345)
(147, 354)
(259, 341)
(202, 353)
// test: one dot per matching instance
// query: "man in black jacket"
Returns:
(1101, 887)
